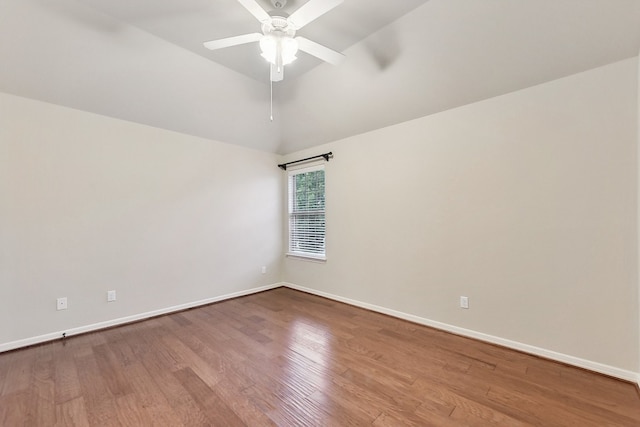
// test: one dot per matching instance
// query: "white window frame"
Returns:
(291, 215)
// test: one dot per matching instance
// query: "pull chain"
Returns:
(271, 84)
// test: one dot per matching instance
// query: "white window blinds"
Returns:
(307, 212)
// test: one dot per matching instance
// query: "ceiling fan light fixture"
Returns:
(275, 46)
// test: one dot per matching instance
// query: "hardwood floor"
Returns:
(284, 357)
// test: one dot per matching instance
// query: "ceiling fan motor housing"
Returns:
(279, 24)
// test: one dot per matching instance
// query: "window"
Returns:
(306, 212)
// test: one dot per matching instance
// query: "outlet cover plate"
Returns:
(61, 303)
(464, 302)
(111, 296)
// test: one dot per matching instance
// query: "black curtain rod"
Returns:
(325, 156)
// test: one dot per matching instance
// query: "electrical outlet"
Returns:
(264, 269)
(111, 296)
(61, 303)
(464, 302)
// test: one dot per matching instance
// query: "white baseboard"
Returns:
(571, 360)
(134, 318)
(612, 371)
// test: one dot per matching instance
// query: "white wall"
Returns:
(525, 203)
(89, 204)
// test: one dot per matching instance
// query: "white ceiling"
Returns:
(143, 61)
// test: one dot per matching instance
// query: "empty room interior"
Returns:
(319, 212)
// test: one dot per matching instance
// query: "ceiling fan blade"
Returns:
(319, 51)
(277, 76)
(255, 9)
(232, 41)
(311, 10)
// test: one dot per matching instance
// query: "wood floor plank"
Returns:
(15, 409)
(149, 396)
(285, 408)
(418, 419)
(131, 412)
(71, 413)
(340, 412)
(178, 399)
(232, 394)
(66, 382)
(287, 358)
(579, 382)
(18, 376)
(98, 400)
(543, 410)
(216, 410)
(42, 411)
(404, 401)
(283, 385)
(474, 414)
(5, 365)
(187, 358)
(113, 374)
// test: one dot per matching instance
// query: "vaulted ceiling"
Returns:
(143, 61)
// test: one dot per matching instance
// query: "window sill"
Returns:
(307, 257)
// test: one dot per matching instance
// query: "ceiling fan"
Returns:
(277, 40)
